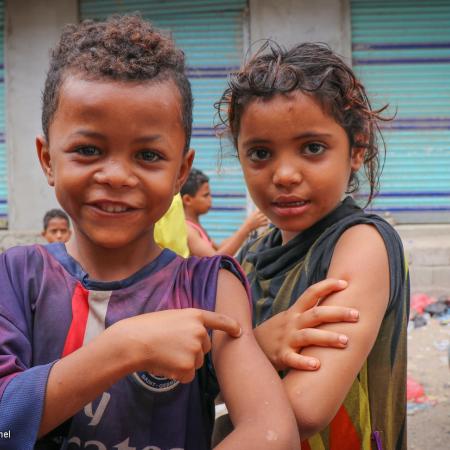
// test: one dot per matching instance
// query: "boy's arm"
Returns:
(170, 343)
(360, 257)
(252, 390)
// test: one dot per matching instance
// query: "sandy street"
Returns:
(429, 424)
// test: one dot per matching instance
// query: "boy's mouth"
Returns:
(112, 207)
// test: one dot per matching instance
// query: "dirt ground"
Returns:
(428, 364)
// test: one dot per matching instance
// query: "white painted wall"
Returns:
(32, 28)
(290, 22)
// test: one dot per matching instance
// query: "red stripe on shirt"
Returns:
(80, 311)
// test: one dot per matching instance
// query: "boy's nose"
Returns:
(117, 174)
(286, 174)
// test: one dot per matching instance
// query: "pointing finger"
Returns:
(222, 322)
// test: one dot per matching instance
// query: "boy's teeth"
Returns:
(113, 208)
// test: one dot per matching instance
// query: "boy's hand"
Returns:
(255, 220)
(285, 334)
(169, 343)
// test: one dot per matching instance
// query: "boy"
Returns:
(196, 196)
(105, 331)
(56, 226)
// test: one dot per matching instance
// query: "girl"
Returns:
(303, 127)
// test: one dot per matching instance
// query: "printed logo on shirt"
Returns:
(154, 383)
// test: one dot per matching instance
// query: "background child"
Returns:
(56, 226)
(303, 127)
(196, 196)
(104, 330)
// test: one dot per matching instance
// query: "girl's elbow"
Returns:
(310, 423)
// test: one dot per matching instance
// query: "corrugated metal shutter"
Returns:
(401, 51)
(211, 34)
(3, 155)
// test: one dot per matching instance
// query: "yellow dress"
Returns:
(170, 231)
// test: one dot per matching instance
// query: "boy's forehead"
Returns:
(85, 96)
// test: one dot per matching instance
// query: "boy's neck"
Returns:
(112, 264)
(191, 216)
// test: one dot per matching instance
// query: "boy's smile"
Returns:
(115, 157)
(296, 160)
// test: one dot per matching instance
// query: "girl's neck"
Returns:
(112, 264)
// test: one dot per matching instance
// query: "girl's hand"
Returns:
(283, 336)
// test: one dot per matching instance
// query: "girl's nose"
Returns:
(286, 174)
(117, 174)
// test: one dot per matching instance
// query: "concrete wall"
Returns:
(32, 28)
(292, 21)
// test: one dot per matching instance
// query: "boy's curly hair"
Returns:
(122, 48)
(314, 69)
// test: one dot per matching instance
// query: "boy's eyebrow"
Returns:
(305, 135)
(97, 135)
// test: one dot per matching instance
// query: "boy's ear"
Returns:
(44, 158)
(185, 168)
(186, 199)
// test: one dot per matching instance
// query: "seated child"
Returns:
(106, 334)
(196, 196)
(56, 226)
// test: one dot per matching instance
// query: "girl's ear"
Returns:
(45, 159)
(357, 158)
(185, 168)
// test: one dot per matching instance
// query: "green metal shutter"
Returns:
(3, 155)
(401, 51)
(210, 32)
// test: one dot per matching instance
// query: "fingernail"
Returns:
(342, 283)
(240, 333)
(343, 339)
(354, 314)
(313, 363)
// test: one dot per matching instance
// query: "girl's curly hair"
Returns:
(122, 48)
(314, 69)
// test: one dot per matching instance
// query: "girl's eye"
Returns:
(148, 156)
(258, 154)
(314, 149)
(88, 150)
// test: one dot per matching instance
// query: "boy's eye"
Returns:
(148, 156)
(314, 149)
(88, 150)
(258, 154)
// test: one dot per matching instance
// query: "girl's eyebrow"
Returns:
(305, 135)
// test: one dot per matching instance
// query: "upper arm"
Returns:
(244, 375)
(360, 257)
(197, 245)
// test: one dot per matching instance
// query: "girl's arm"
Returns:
(256, 401)
(360, 257)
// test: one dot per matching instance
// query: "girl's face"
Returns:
(296, 160)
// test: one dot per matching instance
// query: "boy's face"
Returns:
(201, 202)
(57, 230)
(115, 157)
